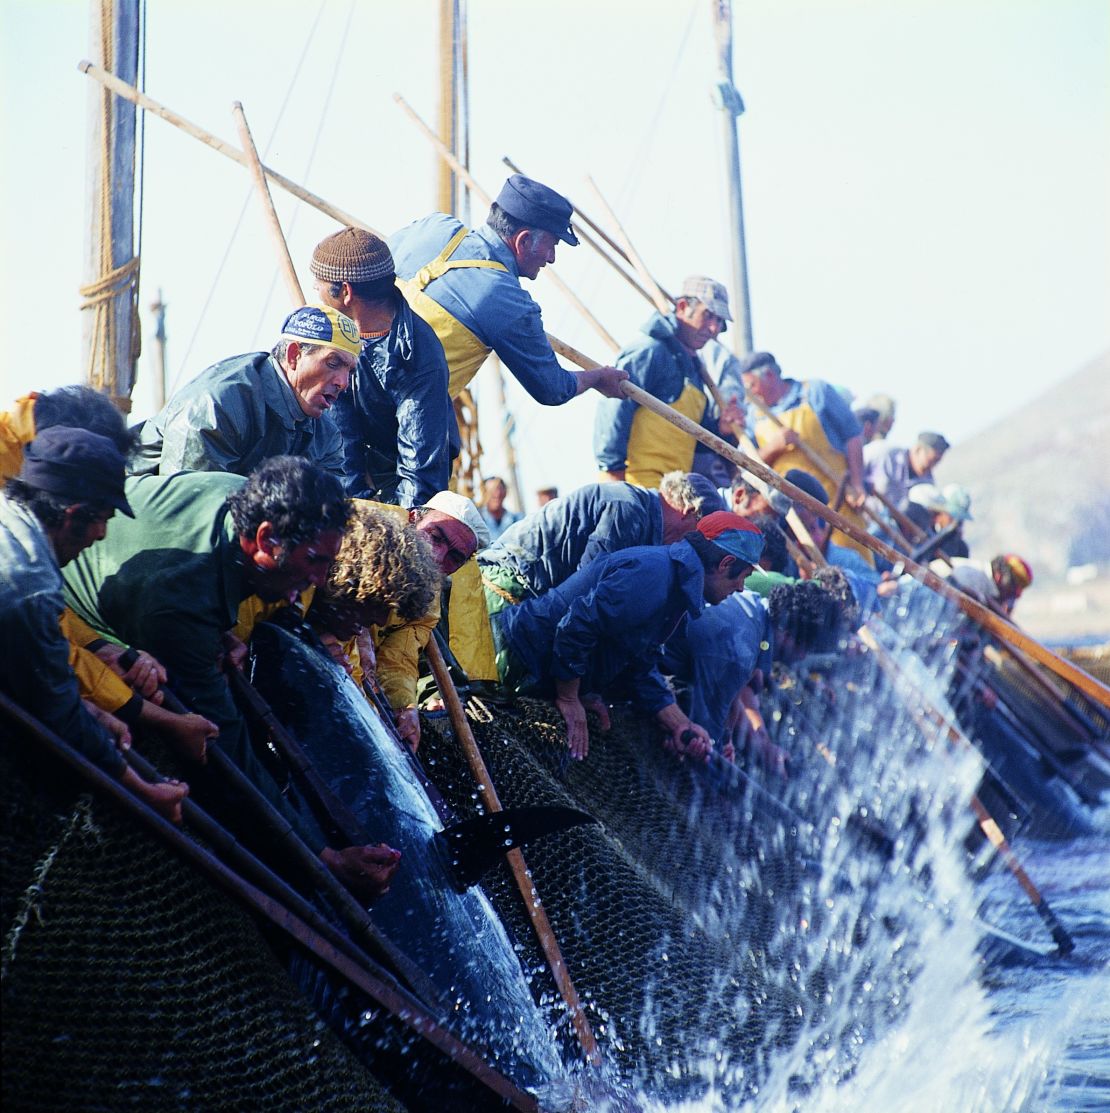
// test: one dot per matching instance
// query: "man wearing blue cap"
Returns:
(609, 621)
(245, 409)
(70, 484)
(466, 285)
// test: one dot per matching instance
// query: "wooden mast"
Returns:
(111, 330)
(731, 106)
(448, 101)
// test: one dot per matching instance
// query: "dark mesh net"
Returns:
(130, 983)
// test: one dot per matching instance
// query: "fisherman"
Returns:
(383, 568)
(395, 418)
(245, 409)
(172, 580)
(545, 495)
(70, 483)
(563, 537)
(880, 410)
(998, 583)
(815, 414)
(938, 513)
(610, 620)
(634, 444)
(497, 516)
(454, 530)
(891, 471)
(466, 285)
(868, 422)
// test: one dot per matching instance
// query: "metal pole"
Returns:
(110, 328)
(732, 106)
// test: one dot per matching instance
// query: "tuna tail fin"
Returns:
(475, 845)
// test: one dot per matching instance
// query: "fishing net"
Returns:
(129, 982)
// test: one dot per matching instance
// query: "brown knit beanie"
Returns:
(351, 255)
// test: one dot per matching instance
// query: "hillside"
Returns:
(1040, 485)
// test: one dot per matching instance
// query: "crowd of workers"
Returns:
(317, 476)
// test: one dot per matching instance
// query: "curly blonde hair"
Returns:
(383, 560)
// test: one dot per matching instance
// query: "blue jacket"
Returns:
(831, 407)
(230, 418)
(394, 417)
(491, 303)
(716, 654)
(568, 533)
(609, 619)
(657, 363)
(34, 656)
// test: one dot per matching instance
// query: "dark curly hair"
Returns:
(809, 613)
(775, 556)
(81, 407)
(300, 500)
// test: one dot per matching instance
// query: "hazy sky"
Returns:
(926, 181)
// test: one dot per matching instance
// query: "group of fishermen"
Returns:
(316, 476)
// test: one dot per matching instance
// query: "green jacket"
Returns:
(170, 581)
(230, 418)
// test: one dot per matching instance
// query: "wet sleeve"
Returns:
(37, 674)
(208, 433)
(327, 448)
(398, 648)
(423, 411)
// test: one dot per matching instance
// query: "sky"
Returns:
(926, 182)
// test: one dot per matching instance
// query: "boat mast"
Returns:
(111, 331)
(732, 106)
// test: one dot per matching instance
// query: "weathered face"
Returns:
(304, 565)
(696, 324)
(318, 377)
(749, 505)
(78, 532)
(533, 249)
(924, 459)
(453, 543)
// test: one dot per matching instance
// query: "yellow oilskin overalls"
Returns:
(17, 428)
(656, 447)
(465, 353)
(803, 420)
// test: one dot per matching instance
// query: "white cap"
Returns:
(461, 508)
(959, 502)
(928, 496)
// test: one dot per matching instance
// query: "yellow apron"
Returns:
(656, 447)
(464, 351)
(804, 421)
(17, 428)
(468, 618)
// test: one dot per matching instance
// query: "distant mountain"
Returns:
(1040, 477)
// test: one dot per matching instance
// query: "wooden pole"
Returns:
(254, 164)
(975, 610)
(130, 93)
(521, 875)
(508, 426)
(486, 199)
(378, 985)
(924, 713)
(110, 326)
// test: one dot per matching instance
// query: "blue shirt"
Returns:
(570, 532)
(716, 654)
(658, 363)
(609, 619)
(489, 302)
(832, 410)
(394, 417)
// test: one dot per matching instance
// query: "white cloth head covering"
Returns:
(461, 508)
